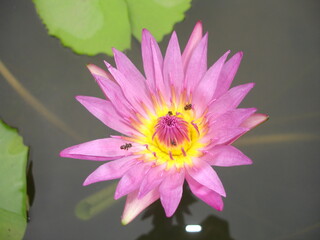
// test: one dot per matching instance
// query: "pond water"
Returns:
(276, 198)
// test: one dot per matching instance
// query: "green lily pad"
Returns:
(95, 26)
(158, 16)
(13, 198)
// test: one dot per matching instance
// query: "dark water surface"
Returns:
(276, 198)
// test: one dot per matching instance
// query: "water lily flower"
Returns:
(177, 121)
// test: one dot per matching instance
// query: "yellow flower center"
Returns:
(171, 135)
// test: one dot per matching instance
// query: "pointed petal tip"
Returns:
(125, 222)
(116, 52)
(223, 193)
(80, 98)
(198, 28)
(63, 153)
(174, 35)
(249, 85)
(199, 22)
(169, 214)
(145, 31)
(86, 182)
(89, 180)
(220, 208)
(90, 66)
(116, 195)
(107, 64)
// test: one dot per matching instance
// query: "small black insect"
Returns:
(170, 113)
(173, 143)
(126, 146)
(188, 107)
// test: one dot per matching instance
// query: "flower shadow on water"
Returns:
(212, 227)
(173, 228)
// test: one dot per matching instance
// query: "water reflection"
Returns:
(96, 203)
(30, 187)
(212, 227)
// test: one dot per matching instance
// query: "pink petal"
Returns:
(251, 122)
(150, 52)
(97, 150)
(194, 39)
(132, 179)
(134, 93)
(161, 87)
(171, 191)
(204, 174)
(226, 156)
(112, 91)
(204, 91)
(95, 70)
(172, 65)
(105, 112)
(227, 74)
(255, 120)
(227, 135)
(111, 170)
(135, 206)
(197, 65)
(230, 119)
(152, 180)
(210, 197)
(229, 100)
(128, 69)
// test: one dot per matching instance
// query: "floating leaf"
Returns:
(158, 16)
(13, 200)
(95, 26)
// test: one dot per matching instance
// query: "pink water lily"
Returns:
(176, 122)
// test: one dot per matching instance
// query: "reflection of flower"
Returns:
(178, 121)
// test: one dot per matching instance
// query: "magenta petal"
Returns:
(227, 74)
(251, 122)
(229, 100)
(135, 206)
(171, 191)
(150, 52)
(204, 91)
(226, 156)
(132, 179)
(230, 119)
(254, 120)
(95, 70)
(113, 92)
(111, 170)
(210, 197)
(203, 173)
(197, 65)
(134, 93)
(172, 65)
(128, 69)
(152, 180)
(97, 150)
(105, 112)
(194, 39)
(227, 135)
(162, 88)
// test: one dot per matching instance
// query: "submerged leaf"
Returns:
(13, 200)
(92, 27)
